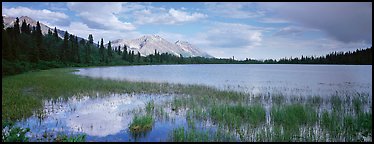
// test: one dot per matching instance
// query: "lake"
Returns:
(295, 79)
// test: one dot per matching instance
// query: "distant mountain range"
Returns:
(146, 45)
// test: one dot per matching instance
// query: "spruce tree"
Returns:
(132, 56)
(88, 48)
(124, 55)
(119, 50)
(65, 47)
(138, 57)
(55, 33)
(39, 43)
(77, 55)
(101, 51)
(24, 27)
(109, 51)
(15, 40)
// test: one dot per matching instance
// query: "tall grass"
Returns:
(141, 124)
(234, 116)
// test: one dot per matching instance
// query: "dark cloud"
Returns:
(347, 22)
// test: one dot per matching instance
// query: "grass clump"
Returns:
(292, 116)
(141, 124)
(234, 116)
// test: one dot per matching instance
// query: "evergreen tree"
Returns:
(15, 40)
(77, 55)
(24, 27)
(138, 57)
(90, 39)
(65, 47)
(16, 26)
(101, 51)
(71, 48)
(132, 56)
(109, 52)
(88, 48)
(119, 50)
(39, 43)
(49, 32)
(124, 55)
(55, 33)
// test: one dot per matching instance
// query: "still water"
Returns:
(252, 78)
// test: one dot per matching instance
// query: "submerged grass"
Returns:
(292, 116)
(141, 124)
(234, 116)
(192, 135)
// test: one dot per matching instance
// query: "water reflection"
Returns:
(98, 117)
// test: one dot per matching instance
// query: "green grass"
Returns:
(141, 124)
(65, 138)
(192, 135)
(150, 106)
(293, 116)
(234, 116)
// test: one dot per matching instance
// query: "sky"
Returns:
(256, 30)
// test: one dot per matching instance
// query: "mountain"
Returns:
(147, 45)
(9, 22)
(189, 49)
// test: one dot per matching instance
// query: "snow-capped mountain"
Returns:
(9, 22)
(189, 49)
(147, 45)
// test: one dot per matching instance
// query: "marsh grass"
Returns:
(292, 116)
(141, 124)
(192, 135)
(234, 116)
(150, 106)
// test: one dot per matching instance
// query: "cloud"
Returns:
(344, 21)
(240, 10)
(290, 30)
(272, 20)
(45, 16)
(100, 15)
(280, 47)
(232, 35)
(155, 15)
(82, 30)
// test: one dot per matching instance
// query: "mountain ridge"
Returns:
(147, 44)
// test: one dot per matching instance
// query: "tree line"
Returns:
(25, 48)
